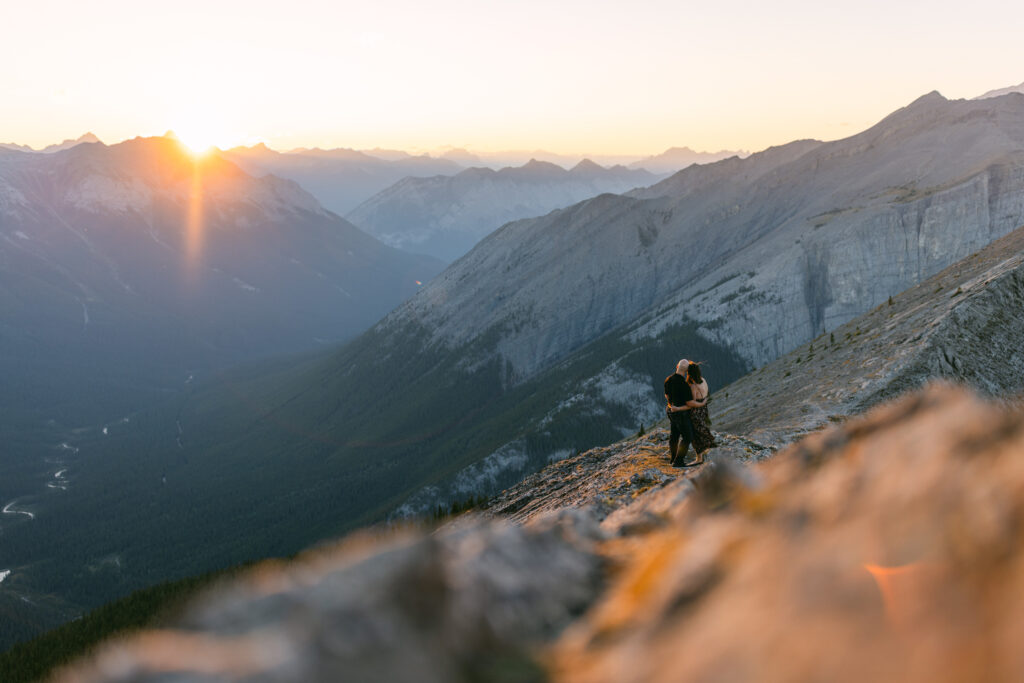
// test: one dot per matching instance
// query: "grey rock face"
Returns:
(964, 324)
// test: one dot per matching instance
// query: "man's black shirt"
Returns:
(677, 390)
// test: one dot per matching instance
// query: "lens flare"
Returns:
(194, 219)
(906, 590)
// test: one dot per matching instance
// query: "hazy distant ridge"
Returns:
(340, 179)
(444, 216)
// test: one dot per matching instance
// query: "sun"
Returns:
(202, 132)
(196, 139)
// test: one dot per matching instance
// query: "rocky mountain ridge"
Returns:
(675, 159)
(86, 138)
(873, 540)
(962, 324)
(444, 216)
(813, 234)
(999, 92)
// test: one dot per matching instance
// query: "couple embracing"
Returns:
(687, 395)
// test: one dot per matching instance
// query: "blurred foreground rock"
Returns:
(465, 604)
(888, 548)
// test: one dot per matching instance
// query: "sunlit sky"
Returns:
(567, 76)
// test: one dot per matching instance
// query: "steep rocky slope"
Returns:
(965, 324)
(444, 216)
(887, 549)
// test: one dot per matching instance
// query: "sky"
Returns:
(568, 76)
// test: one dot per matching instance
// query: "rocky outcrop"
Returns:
(464, 604)
(887, 549)
(610, 478)
(884, 549)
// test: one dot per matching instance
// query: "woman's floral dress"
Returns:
(703, 439)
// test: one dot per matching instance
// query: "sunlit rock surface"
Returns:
(884, 549)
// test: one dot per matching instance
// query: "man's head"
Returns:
(681, 367)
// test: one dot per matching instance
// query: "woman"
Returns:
(703, 439)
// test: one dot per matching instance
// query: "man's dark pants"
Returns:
(682, 427)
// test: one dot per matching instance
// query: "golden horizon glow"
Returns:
(202, 133)
(574, 77)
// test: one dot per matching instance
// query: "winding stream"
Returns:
(9, 510)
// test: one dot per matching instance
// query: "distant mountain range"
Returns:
(1002, 91)
(128, 272)
(50, 149)
(444, 216)
(136, 246)
(340, 179)
(677, 158)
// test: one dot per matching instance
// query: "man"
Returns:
(678, 393)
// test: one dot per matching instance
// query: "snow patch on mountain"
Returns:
(485, 474)
(478, 479)
(11, 199)
(614, 385)
(245, 285)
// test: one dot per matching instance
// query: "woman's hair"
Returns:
(693, 373)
